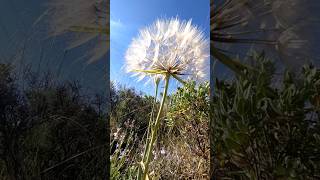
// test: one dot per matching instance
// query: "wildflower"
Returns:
(155, 155)
(122, 153)
(168, 46)
(116, 134)
(162, 151)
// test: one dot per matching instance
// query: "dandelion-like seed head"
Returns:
(68, 13)
(87, 19)
(168, 47)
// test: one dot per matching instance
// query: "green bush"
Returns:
(183, 148)
(50, 130)
(261, 130)
(122, 155)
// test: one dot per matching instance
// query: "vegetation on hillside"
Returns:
(261, 130)
(50, 130)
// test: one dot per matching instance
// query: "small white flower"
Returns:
(172, 46)
(162, 151)
(117, 133)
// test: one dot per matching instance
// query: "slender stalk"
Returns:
(179, 79)
(151, 120)
(149, 126)
(154, 130)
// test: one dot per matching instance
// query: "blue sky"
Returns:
(128, 16)
(24, 44)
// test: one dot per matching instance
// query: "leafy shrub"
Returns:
(183, 151)
(50, 130)
(122, 155)
(129, 106)
(263, 131)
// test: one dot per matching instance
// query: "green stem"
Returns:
(154, 130)
(151, 119)
(149, 127)
(179, 79)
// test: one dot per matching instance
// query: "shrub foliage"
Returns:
(265, 131)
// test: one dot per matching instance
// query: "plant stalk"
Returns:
(149, 127)
(155, 128)
(151, 120)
